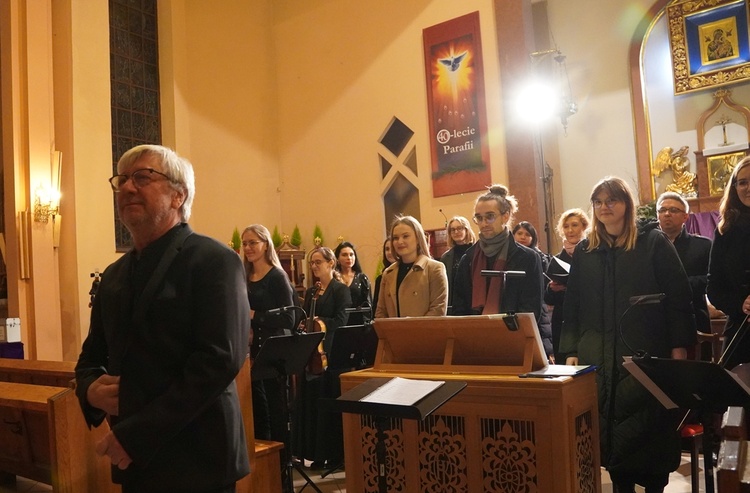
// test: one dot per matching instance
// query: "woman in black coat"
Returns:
(572, 228)
(729, 267)
(318, 436)
(460, 238)
(347, 265)
(639, 441)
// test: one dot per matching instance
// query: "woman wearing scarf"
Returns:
(497, 250)
(572, 228)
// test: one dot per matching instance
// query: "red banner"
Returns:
(456, 106)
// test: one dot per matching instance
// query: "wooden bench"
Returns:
(44, 437)
(43, 390)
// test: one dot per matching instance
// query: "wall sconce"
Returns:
(46, 204)
(47, 199)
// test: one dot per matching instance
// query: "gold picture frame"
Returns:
(710, 43)
(720, 170)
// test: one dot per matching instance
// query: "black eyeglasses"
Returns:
(671, 210)
(608, 203)
(457, 229)
(141, 178)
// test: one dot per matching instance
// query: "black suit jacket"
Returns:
(177, 345)
(694, 252)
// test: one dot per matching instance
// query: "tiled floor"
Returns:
(679, 482)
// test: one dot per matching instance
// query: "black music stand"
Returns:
(697, 385)
(353, 347)
(350, 402)
(279, 357)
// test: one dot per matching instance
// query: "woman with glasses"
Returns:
(639, 439)
(268, 287)
(318, 436)
(415, 285)
(571, 227)
(729, 268)
(496, 250)
(525, 234)
(460, 238)
(347, 265)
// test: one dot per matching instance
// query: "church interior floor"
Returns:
(679, 482)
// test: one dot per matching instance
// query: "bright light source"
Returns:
(537, 102)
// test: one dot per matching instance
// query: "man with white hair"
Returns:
(169, 332)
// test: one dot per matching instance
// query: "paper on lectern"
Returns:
(402, 391)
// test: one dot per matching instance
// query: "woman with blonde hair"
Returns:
(268, 287)
(639, 439)
(460, 238)
(571, 227)
(415, 285)
(729, 268)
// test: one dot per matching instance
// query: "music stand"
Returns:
(279, 357)
(353, 347)
(351, 402)
(698, 385)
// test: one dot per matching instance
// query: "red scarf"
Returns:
(482, 296)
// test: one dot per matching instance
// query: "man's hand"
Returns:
(571, 360)
(557, 287)
(110, 446)
(104, 394)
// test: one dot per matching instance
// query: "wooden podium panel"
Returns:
(501, 433)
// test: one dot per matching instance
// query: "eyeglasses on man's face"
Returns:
(488, 218)
(671, 210)
(140, 178)
(608, 203)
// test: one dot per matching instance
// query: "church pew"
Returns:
(44, 437)
(52, 373)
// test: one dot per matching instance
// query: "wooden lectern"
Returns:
(501, 433)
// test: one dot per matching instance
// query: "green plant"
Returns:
(236, 240)
(646, 211)
(296, 239)
(318, 233)
(276, 237)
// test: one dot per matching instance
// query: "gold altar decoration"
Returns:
(683, 181)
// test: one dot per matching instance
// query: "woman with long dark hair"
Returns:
(638, 437)
(347, 264)
(729, 267)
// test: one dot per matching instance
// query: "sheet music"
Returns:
(402, 391)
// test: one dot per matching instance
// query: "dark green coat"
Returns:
(637, 436)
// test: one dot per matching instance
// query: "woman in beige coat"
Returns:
(415, 285)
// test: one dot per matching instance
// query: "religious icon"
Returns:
(683, 181)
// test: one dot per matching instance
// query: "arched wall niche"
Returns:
(660, 118)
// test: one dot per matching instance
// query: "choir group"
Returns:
(579, 298)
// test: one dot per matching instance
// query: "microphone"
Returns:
(284, 309)
(503, 273)
(446, 217)
(647, 299)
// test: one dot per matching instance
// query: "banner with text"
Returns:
(456, 106)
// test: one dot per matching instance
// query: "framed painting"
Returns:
(709, 42)
(720, 170)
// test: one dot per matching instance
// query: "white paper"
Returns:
(402, 391)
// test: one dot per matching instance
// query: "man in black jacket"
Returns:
(169, 332)
(694, 251)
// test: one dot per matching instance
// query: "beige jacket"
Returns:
(423, 292)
